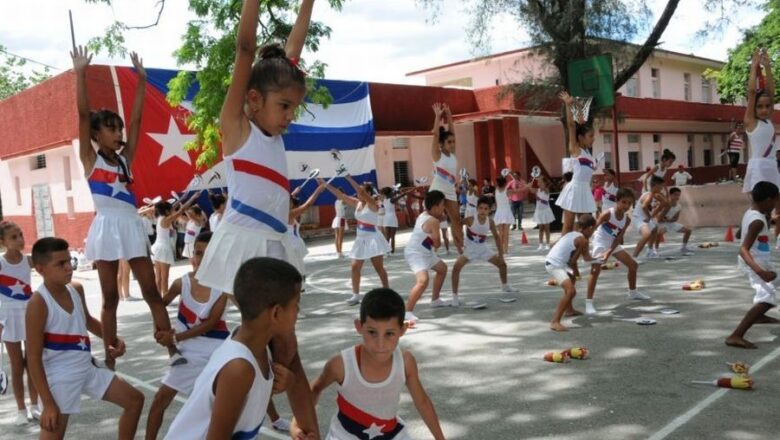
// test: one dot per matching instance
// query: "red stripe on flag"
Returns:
(363, 418)
(258, 170)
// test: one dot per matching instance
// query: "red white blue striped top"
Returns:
(66, 344)
(109, 187)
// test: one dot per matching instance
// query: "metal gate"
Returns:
(44, 221)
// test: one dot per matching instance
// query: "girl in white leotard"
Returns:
(445, 167)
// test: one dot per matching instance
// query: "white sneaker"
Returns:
(686, 251)
(455, 302)
(509, 289)
(439, 303)
(354, 299)
(177, 359)
(590, 309)
(281, 424)
(21, 418)
(409, 316)
(34, 413)
(540, 248)
(547, 247)
(637, 295)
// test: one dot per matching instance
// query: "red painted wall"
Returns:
(73, 230)
(404, 108)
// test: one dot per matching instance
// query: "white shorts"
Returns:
(671, 227)
(765, 292)
(182, 377)
(189, 250)
(67, 388)
(478, 252)
(339, 222)
(446, 188)
(598, 251)
(420, 262)
(162, 251)
(12, 320)
(560, 274)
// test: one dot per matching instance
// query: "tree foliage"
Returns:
(208, 44)
(732, 79)
(13, 79)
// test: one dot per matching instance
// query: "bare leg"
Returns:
(455, 225)
(459, 264)
(123, 280)
(568, 222)
(16, 359)
(162, 400)
(595, 270)
(164, 272)
(132, 403)
(446, 239)
(737, 338)
(30, 385)
(391, 233)
(357, 266)
(379, 267)
(59, 432)
(563, 305)
(273, 414)
(686, 236)
(547, 233)
(499, 262)
(419, 287)
(631, 265)
(142, 269)
(438, 280)
(339, 239)
(107, 273)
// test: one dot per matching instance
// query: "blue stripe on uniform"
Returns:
(105, 189)
(259, 215)
(247, 435)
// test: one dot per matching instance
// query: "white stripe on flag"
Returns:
(359, 161)
(350, 114)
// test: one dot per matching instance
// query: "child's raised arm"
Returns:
(438, 109)
(750, 110)
(81, 59)
(297, 211)
(232, 121)
(351, 201)
(769, 79)
(362, 195)
(138, 107)
(300, 29)
(571, 126)
(420, 398)
(231, 387)
(35, 324)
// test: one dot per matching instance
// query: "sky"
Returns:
(372, 40)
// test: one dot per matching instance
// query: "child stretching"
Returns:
(390, 220)
(610, 228)
(339, 224)
(420, 254)
(260, 104)
(117, 232)
(472, 195)
(669, 218)
(560, 261)
(231, 395)
(646, 212)
(15, 292)
(298, 249)
(195, 222)
(58, 347)
(755, 261)
(477, 229)
(543, 214)
(162, 249)
(610, 189)
(200, 330)
(370, 376)
(659, 169)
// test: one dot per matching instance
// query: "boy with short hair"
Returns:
(420, 254)
(476, 249)
(370, 376)
(231, 395)
(669, 222)
(755, 261)
(560, 264)
(58, 348)
(646, 212)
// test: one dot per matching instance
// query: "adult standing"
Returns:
(518, 191)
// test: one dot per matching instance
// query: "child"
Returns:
(200, 330)
(162, 250)
(445, 166)
(218, 204)
(477, 229)
(543, 214)
(560, 261)
(669, 218)
(371, 375)
(339, 224)
(598, 196)
(755, 261)
(260, 104)
(735, 145)
(659, 169)
(195, 222)
(610, 228)
(298, 249)
(472, 196)
(231, 395)
(58, 347)
(420, 254)
(646, 212)
(117, 232)
(610, 189)
(369, 243)
(390, 221)
(503, 217)
(444, 224)
(758, 123)
(15, 292)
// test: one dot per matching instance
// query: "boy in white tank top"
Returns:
(58, 348)
(610, 228)
(199, 330)
(669, 222)
(560, 261)
(371, 376)
(475, 248)
(230, 397)
(755, 260)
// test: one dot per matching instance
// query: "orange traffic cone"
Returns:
(729, 235)
(523, 239)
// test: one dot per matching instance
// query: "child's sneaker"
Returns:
(33, 413)
(540, 248)
(637, 295)
(590, 309)
(21, 418)
(281, 424)
(410, 318)
(687, 252)
(508, 289)
(3, 382)
(455, 301)
(547, 247)
(177, 359)
(354, 299)
(439, 303)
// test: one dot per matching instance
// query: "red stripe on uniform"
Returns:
(65, 339)
(363, 418)
(105, 176)
(264, 172)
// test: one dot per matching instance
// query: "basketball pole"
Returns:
(615, 144)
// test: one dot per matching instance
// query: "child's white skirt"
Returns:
(116, 235)
(760, 170)
(576, 197)
(543, 216)
(503, 216)
(162, 251)
(369, 245)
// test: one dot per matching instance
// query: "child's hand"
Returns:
(565, 97)
(49, 417)
(165, 337)
(438, 109)
(115, 351)
(447, 110)
(297, 433)
(767, 275)
(283, 377)
(138, 63)
(81, 58)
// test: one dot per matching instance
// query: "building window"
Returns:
(655, 75)
(632, 87)
(71, 208)
(38, 162)
(706, 93)
(633, 138)
(400, 143)
(707, 157)
(656, 156)
(66, 172)
(690, 139)
(401, 172)
(687, 86)
(607, 141)
(707, 138)
(690, 157)
(18, 188)
(607, 159)
(656, 138)
(633, 160)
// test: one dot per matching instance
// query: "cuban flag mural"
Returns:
(161, 165)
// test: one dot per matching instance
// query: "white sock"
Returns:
(505, 286)
(631, 291)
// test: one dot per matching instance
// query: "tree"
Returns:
(733, 77)
(13, 79)
(209, 43)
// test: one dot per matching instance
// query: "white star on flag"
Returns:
(83, 344)
(172, 143)
(373, 431)
(118, 187)
(17, 289)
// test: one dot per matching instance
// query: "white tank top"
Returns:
(66, 344)
(192, 313)
(108, 186)
(502, 200)
(639, 215)
(445, 169)
(340, 211)
(610, 196)
(214, 220)
(672, 212)
(761, 249)
(163, 233)
(583, 167)
(762, 141)
(191, 231)
(660, 172)
(366, 406)
(194, 418)
(389, 207)
(471, 200)
(606, 233)
(294, 229)
(15, 289)
(477, 233)
(258, 189)
(367, 220)
(560, 254)
(420, 241)
(542, 200)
